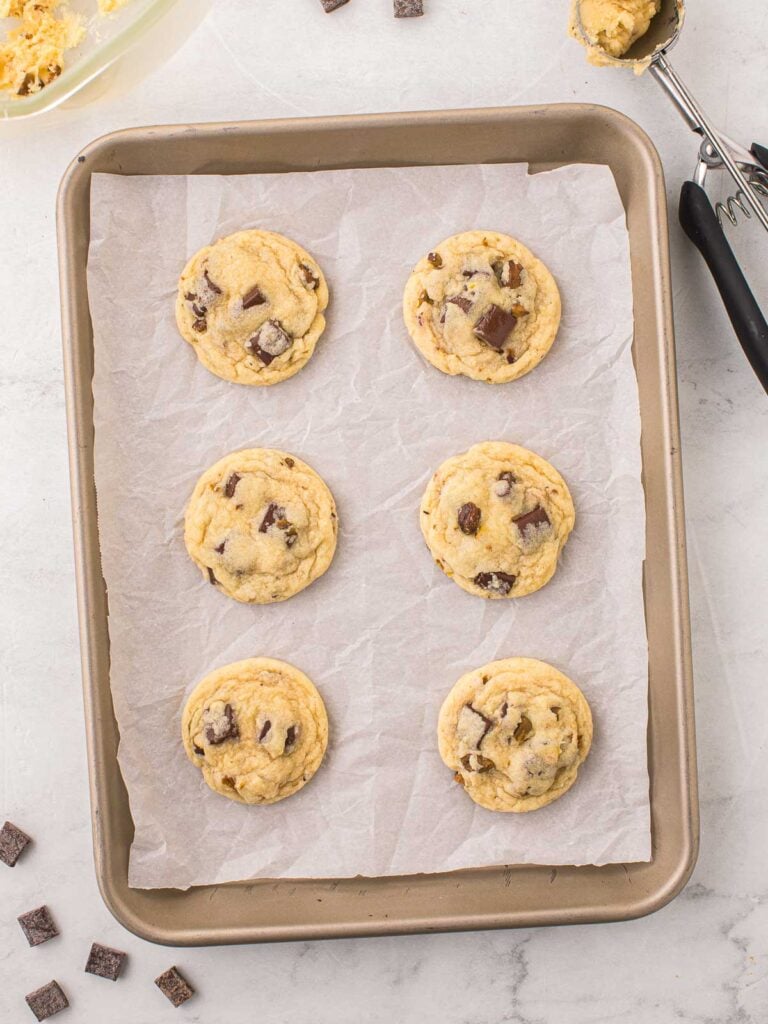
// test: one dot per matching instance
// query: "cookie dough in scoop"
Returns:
(611, 27)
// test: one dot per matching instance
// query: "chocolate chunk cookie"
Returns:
(515, 732)
(482, 305)
(496, 518)
(251, 305)
(257, 729)
(261, 525)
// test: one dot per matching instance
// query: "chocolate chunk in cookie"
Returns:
(219, 723)
(461, 301)
(272, 516)
(38, 926)
(291, 736)
(435, 259)
(105, 962)
(531, 522)
(231, 485)
(495, 326)
(13, 842)
(46, 1001)
(200, 325)
(269, 342)
(496, 582)
(264, 731)
(469, 518)
(254, 297)
(472, 726)
(523, 729)
(504, 484)
(477, 763)
(309, 277)
(174, 986)
(508, 273)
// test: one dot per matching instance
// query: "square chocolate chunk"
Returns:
(38, 926)
(46, 1001)
(409, 8)
(12, 843)
(174, 987)
(331, 5)
(105, 961)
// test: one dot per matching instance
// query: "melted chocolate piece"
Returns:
(290, 463)
(200, 326)
(509, 273)
(494, 327)
(477, 763)
(311, 280)
(199, 310)
(27, 83)
(220, 727)
(530, 520)
(435, 259)
(523, 729)
(231, 485)
(211, 284)
(219, 549)
(198, 750)
(211, 577)
(271, 516)
(269, 342)
(254, 297)
(264, 730)
(461, 301)
(496, 582)
(504, 484)
(469, 519)
(174, 986)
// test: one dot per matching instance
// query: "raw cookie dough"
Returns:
(612, 27)
(251, 305)
(261, 525)
(257, 729)
(482, 305)
(32, 53)
(496, 519)
(515, 733)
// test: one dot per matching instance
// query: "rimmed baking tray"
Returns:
(500, 897)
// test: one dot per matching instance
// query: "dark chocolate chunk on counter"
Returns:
(13, 842)
(409, 8)
(38, 926)
(529, 521)
(174, 986)
(46, 1001)
(495, 326)
(105, 962)
(495, 582)
(331, 5)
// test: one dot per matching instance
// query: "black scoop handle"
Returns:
(700, 223)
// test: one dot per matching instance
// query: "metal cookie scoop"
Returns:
(747, 167)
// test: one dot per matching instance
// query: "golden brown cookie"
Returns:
(515, 732)
(496, 519)
(251, 305)
(257, 729)
(481, 304)
(261, 525)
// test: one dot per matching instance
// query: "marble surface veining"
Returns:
(701, 960)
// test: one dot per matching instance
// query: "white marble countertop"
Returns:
(702, 959)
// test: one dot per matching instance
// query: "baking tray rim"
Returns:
(673, 876)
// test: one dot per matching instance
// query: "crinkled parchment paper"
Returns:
(384, 634)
